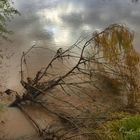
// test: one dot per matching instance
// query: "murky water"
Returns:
(53, 24)
(58, 23)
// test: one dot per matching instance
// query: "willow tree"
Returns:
(117, 61)
(7, 12)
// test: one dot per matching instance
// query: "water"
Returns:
(58, 23)
(53, 24)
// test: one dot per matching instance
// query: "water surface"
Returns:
(59, 23)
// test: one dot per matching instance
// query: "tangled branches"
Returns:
(107, 58)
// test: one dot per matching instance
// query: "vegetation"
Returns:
(7, 12)
(107, 56)
(119, 60)
(107, 62)
(126, 128)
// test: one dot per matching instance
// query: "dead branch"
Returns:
(96, 61)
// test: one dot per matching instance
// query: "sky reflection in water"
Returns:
(55, 23)
(60, 22)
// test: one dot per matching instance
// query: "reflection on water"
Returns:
(53, 24)
(58, 23)
(135, 1)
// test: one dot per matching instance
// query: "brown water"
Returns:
(53, 24)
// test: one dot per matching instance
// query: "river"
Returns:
(59, 23)
(53, 24)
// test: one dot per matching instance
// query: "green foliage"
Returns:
(127, 128)
(117, 60)
(7, 12)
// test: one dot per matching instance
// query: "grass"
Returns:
(127, 128)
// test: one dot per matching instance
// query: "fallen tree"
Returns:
(107, 58)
